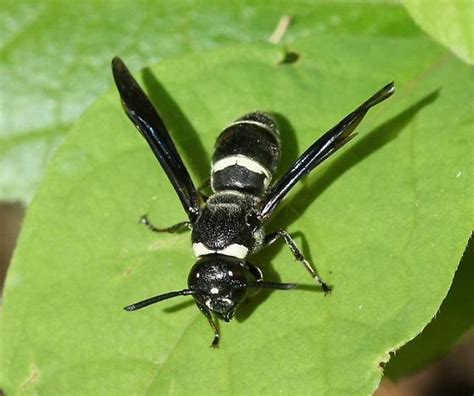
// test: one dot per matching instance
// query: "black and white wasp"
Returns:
(228, 226)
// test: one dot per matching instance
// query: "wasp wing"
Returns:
(149, 123)
(321, 149)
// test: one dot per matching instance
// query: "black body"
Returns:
(228, 218)
(227, 227)
(254, 136)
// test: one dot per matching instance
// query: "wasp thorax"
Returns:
(221, 282)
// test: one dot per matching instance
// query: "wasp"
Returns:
(229, 226)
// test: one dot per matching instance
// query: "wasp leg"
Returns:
(298, 256)
(212, 322)
(176, 228)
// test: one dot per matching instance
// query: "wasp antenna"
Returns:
(272, 285)
(158, 298)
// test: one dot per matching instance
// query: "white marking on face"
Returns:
(234, 250)
(245, 162)
(228, 301)
(214, 290)
(259, 124)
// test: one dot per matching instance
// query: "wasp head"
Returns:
(220, 283)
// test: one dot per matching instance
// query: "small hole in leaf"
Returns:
(289, 58)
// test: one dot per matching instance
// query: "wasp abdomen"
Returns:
(246, 155)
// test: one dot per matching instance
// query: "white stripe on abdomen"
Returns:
(245, 162)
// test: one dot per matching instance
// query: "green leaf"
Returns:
(55, 55)
(385, 222)
(449, 22)
(453, 322)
